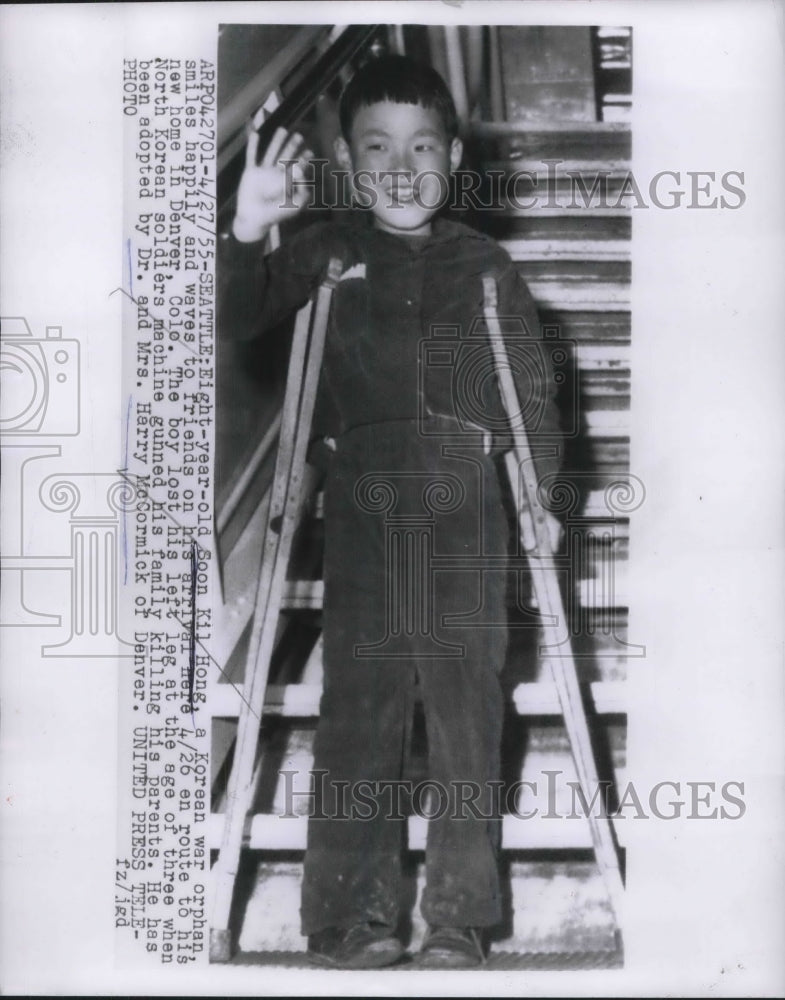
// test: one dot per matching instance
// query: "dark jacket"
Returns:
(407, 338)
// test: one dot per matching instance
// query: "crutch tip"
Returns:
(220, 945)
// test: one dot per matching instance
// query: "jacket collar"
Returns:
(443, 230)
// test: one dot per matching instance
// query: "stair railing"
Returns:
(345, 44)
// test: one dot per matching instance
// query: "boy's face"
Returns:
(401, 159)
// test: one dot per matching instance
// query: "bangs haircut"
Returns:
(399, 80)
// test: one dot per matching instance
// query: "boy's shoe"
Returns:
(451, 948)
(364, 946)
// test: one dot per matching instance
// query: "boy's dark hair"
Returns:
(402, 81)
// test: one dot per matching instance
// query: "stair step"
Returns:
(611, 455)
(603, 357)
(562, 249)
(580, 295)
(611, 329)
(571, 271)
(555, 166)
(302, 700)
(607, 423)
(557, 140)
(288, 833)
(308, 595)
(564, 128)
(609, 434)
(565, 209)
(532, 191)
(558, 227)
(609, 393)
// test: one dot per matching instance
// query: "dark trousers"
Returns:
(414, 602)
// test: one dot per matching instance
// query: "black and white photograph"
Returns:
(392, 536)
(459, 578)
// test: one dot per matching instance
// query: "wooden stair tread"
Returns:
(274, 832)
(302, 700)
(533, 250)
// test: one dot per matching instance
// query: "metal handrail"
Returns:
(291, 109)
(236, 112)
(346, 46)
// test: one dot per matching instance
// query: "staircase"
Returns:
(573, 251)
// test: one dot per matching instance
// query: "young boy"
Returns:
(416, 530)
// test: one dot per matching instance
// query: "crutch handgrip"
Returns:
(490, 293)
(334, 270)
(531, 514)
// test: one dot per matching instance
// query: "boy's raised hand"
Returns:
(268, 191)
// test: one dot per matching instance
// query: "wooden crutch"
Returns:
(536, 543)
(300, 395)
